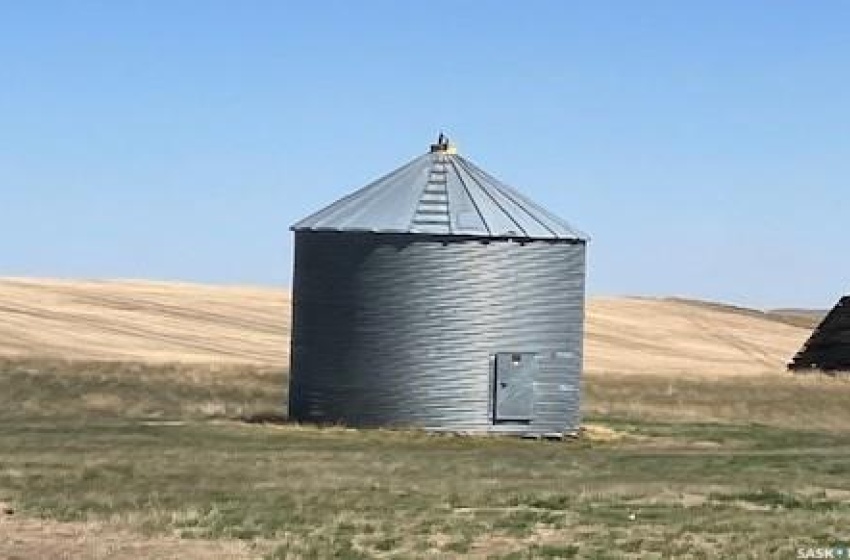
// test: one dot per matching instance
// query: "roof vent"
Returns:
(443, 145)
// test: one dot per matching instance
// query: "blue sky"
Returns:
(705, 146)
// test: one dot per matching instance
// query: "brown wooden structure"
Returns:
(828, 349)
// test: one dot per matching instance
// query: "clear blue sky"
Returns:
(705, 146)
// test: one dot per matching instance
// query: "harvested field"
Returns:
(171, 322)
(143, 321)
(675, 337)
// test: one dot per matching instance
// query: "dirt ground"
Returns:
(35, 539)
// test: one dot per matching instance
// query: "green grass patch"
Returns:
(180, 462)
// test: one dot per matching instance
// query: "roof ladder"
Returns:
(432, 213)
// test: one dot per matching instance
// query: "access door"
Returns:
(513, 386)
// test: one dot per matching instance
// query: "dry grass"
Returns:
(170, 322)
(693, 467)
(66, 391)
(779, 399)
(36, 539)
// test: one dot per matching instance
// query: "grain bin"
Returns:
(437, 297)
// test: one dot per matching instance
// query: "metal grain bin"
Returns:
(438, 297)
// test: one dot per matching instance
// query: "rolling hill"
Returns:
(166, 322)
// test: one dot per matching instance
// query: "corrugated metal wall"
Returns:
(400, 330)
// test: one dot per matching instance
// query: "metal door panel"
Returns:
(513, 391)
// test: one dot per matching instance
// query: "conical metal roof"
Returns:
(440, 193)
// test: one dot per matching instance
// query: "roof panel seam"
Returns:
(522, 202)
(471, 198)
(491, 197)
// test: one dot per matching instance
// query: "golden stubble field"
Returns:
(174, 322)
